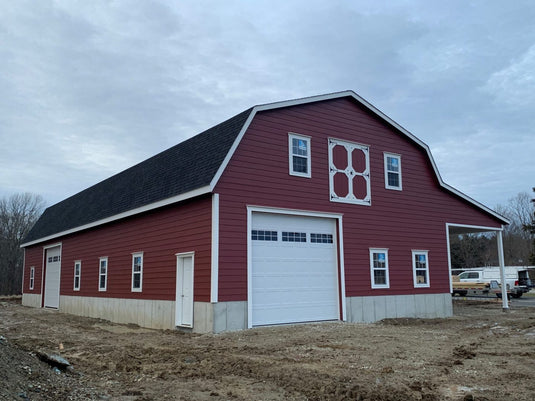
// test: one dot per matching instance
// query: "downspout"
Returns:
(505, 300)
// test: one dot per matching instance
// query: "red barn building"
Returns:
(314, 209)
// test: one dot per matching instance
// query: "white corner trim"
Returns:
(214, 283)
(374, 110)
(342, 269)
(142, 209)
(249, 270)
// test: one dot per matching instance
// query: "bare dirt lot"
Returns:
(481, 354)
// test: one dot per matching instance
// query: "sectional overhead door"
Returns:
(293, 269)
(52, 277)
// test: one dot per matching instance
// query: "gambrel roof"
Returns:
(189, 169)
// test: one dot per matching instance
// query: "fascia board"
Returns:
(142, 209)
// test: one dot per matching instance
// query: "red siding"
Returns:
(414, 218)
(158, 234)
(33, 257)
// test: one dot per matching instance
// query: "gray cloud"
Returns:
(90, 88)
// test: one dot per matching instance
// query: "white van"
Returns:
(516, 278)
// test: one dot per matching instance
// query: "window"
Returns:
(293, 237)
(299, 152)
(392, 171)
(349, 172)
(316, 238)
(103, 274)
(77, 274)
(379, 268)
(32, 277)
(420, 265)
(263, 235)
(137, 271)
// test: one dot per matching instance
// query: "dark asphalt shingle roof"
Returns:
(185, 167)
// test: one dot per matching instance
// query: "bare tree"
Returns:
(18, 213)
(516, 239)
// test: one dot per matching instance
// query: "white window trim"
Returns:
(349, 172)
(79, 262)
(104, 258)
(372, 268)
(307, 139)
(416, 284)
(32, 278)
(134, 256)
(396, 156)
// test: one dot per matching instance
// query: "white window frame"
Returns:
(350, 172)
(79, 275)
(414, 268)
(134, 256)
(100, 274)
(291, 137)
(373, 268)
(32, 278)
(393, 156)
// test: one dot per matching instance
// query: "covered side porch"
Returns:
(453, 229)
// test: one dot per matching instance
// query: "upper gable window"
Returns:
(349, 172)
(299, 155)
(392, 171)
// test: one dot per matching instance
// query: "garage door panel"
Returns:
(293, 280)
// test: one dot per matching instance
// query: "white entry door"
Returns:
(184, 290)
(52, 277)
(294, 269)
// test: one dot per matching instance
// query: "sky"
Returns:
(90, 88)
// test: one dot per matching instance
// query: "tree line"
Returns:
(18, 213)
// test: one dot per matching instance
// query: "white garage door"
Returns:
(294, 269)
(52, 275)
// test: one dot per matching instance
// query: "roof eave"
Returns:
(155, 205)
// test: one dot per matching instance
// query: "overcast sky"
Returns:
(89, 88)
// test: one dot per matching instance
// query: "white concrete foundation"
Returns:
(372, 309)
(145, 313)
(207, 317)
(230, 316)
(33, 300)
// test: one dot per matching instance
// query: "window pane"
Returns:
(299, 147)
(379, 277)
(102, 281)
(137, 280)
(393, 179)
(379, 260)
(294, 237)
(421, 276)
(300, 164)
(392, 164)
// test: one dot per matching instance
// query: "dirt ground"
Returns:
(481, 353)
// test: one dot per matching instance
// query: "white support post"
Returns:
(505, 300)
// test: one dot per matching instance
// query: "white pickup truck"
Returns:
(516, 278)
